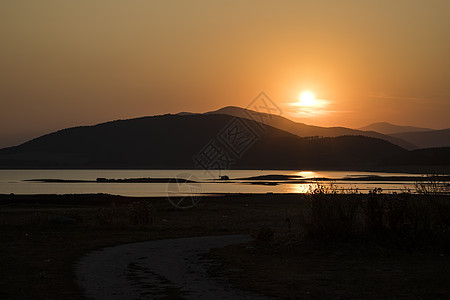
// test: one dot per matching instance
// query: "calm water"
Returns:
(12, 181)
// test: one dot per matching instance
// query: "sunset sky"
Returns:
(70, 63)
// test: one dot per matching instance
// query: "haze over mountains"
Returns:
(421, 137)
(304, 130)
(388, 128)
(178, 141)
(408, 137)
(426, 139)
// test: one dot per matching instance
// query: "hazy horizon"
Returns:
(68, 64)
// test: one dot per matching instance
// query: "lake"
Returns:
(13, 181)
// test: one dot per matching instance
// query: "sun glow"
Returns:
(306, 105)
(307, 99)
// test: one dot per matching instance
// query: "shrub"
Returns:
(404, 219)
(432, 185)
(333, 216)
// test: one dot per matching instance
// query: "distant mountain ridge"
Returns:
(171, 141)
(421, 137)
(427, 139)
(389, 129)
(304, 130)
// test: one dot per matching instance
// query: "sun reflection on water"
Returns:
(307, 174)
(301, 188)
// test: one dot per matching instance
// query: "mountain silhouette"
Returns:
(427, 139)
(172, 141)
(304, 130)
(389, 129)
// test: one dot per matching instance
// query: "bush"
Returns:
(333, 216)
(432, 185)
(401, 218)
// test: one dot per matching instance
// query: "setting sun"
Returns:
(308, 106)
(307, 99)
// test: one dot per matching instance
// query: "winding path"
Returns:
(154, 269)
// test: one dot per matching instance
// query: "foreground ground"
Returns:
(42, 236)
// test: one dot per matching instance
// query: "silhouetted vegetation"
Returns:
(402, 220)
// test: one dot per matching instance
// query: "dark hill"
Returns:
(422, 157)
(171, 141)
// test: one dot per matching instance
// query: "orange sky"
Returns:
(69, 63)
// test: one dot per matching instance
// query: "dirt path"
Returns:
(154, 269)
